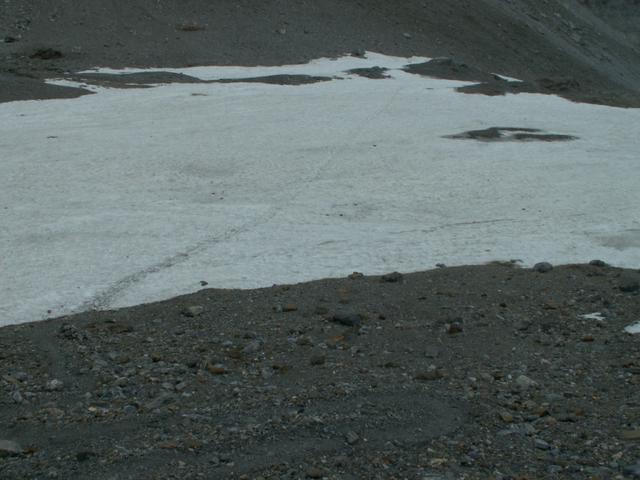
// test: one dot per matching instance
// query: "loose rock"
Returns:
(543, 267)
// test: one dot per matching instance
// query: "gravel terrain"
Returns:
(478, 372)
(472, 372)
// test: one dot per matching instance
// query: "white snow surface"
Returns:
(633, 329)
(136, 195)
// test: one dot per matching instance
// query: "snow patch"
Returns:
(136, 195)
(633, 329)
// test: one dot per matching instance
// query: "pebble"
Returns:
(541, 444)
(318, 360)
(347, 319)
(160, 401)
(597, 263)
(9, 448)
(314, 472)
(454, 328)
(193, 311)
(393, 277)
(217, 369)
(252, 347)
(543, 267)
(289, 307)
(525, 383)
(352, 437)
(429, 375)
(54, 385)
(506, 417)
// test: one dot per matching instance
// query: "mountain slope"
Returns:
(521, 38)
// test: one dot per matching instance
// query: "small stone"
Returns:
(84, 456)
(506, 417)
(252, 347)
(454, 328)
(393, 277)
(217, 369)
(46, 54)
(407, 35)
(318, 360)
(525, 383)
(597, 263)
(9, 448)
(430, 375)
(17, 397)
(160, 401)
(355, 276)
(289, 307)
(54, 385)
(441, 265)
(587, 338)
(541, 444)
(129, 410)
(193, 311)
(352, 437)
(543, 267)
(122, 382)
(347, 319)
(314, 472)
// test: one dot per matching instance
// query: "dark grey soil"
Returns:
(486, 372)
(525, 39)
(147, 79)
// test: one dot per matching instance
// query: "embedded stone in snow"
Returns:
(511, 134)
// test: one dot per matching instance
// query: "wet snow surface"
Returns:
(139, 194)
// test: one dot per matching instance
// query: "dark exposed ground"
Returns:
(526, 39)
(472, 372)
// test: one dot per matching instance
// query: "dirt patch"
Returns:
(449, 69)
(511, 134)
(493, 85)
(278, 80)
(19, 87)
(148, 79)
